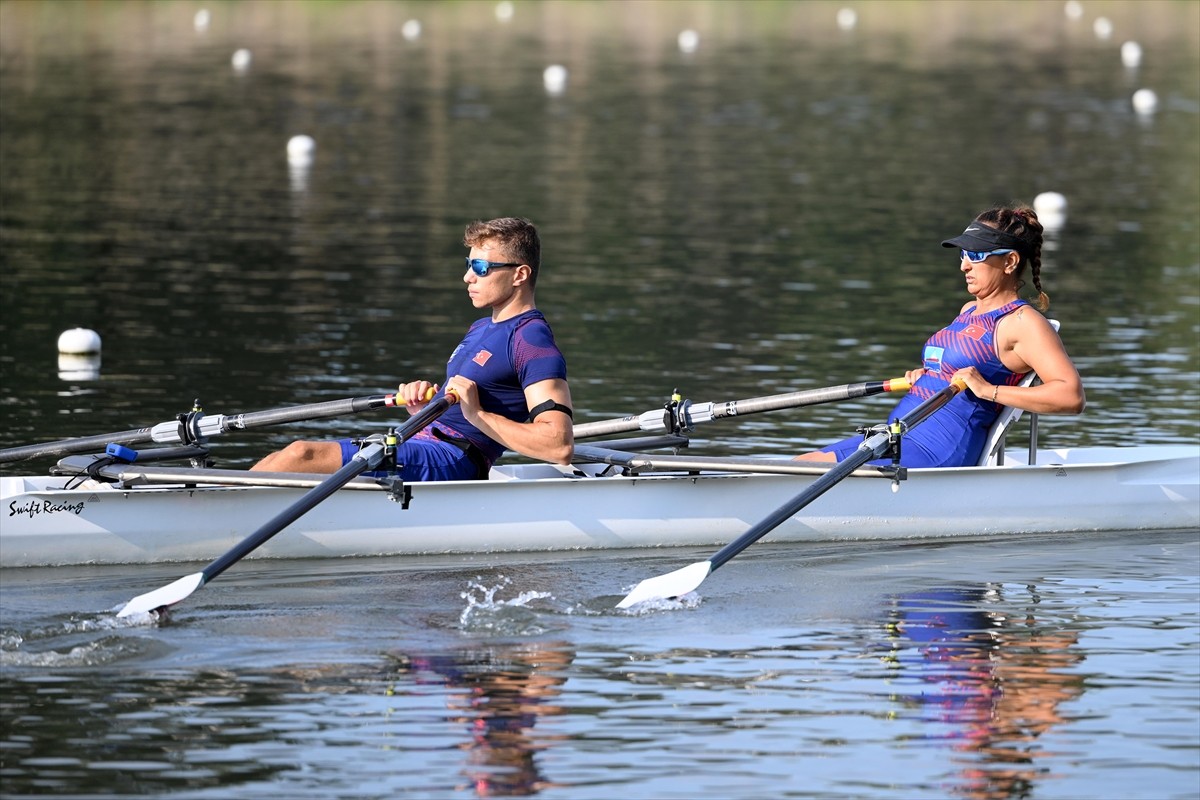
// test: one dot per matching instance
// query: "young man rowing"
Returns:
(508, 374)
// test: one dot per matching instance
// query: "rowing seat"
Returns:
(993, 448)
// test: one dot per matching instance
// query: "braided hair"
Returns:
(1022, 222)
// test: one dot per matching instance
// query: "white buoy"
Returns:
(1131, 55)
(200, 21)
(79, 340)
(504, 11)
(78, 367)
(300, 149)
(689, 40)
(555, 78)
(1051, 208)
(847, 19)
(241, 59)
(1073, 9)
(1103, 28)
(411, 30)
(1145, 101)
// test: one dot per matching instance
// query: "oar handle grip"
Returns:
(931, 405)
(429, 395)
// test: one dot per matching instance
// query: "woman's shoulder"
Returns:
(1024, 321)
(1024, 311)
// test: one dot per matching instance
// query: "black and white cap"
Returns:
(979, 236)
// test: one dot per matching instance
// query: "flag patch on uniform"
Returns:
(933, 358)
(974, 332)
(482, 357)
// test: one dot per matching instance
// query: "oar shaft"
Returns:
(780, 515)
(368, 458)
(872, 447)
(361, 462)
(659, 420)
(325, 410)
(79, 445)
(176, 431)
(365, 459)
(655, 421)
(808, 397)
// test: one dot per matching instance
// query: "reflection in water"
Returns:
(498, 691)
(236, 732)
(996, 680)
(78, 367)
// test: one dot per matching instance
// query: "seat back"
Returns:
(993, 448)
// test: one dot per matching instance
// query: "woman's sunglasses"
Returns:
(975, 256)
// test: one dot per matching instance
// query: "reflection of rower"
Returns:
(504, 690)
(953, 655)
(997, 679)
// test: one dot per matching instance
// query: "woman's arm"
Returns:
(1026, 341)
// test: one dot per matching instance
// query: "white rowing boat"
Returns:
(136, 513)
(124, 506)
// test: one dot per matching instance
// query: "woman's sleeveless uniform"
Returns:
(954, 435)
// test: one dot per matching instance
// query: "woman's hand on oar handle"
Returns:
(963, 378)
(970, 378)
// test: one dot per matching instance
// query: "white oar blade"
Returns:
(673, 584)
(168, 595)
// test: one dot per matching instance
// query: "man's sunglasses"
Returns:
(481, 266)
(975, 256)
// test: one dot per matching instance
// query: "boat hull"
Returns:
(534, 508)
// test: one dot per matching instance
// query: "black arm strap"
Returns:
(549, 405)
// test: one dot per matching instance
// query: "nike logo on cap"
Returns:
(968, 230)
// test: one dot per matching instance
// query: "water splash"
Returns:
(57, 645)
(485, 613)
(685, 602)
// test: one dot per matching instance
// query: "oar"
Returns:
(189, 428)
(682, 581)
(663, 420)
(367, 458)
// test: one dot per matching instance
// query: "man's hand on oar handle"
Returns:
(416, 395)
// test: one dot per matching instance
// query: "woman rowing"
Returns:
(996, 339)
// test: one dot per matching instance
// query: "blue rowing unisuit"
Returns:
(502, 358)
(954, 435)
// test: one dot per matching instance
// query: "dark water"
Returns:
(757, 216)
